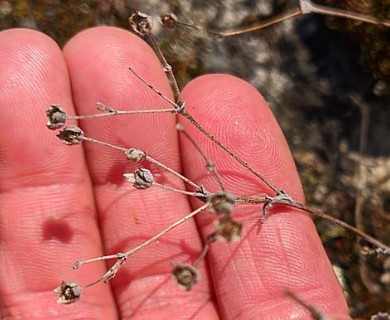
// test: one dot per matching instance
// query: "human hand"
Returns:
(59, 204)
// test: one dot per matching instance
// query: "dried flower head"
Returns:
(222, 203)
(71, 135)
(228, 229)
(135, 155)
(168, 20)
(56, 117)
(69, 292)
(141, 179)
(141, 23)
(185, 276)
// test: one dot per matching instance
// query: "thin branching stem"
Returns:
(106, 144)
(118, 113)
(166, 230)
(174, 172)
(158, 92)
(148, 158)
(191, 119)
(167, 68)
(308, 6)
(188, 193)
(257, 26)
(202, 255)
(209, 165)
(318, 213)
(305, 7)
(144, 244)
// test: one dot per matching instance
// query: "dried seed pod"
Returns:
(185, 276)
(168, 20)
(135, 154)
(71, 135)
(228, 229)
(69, 292)
(222, 203)
(141, 179)
(141, 23)
(56, 117)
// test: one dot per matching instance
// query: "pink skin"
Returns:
(59, 204)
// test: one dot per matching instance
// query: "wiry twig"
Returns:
(122, 257)
(210, 166)
(361, 176)
(305, 7)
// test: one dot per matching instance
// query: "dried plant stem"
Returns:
(305, 7)
(191, 119)
(144, 244)
(158, 92)
(308, 6)
(202, 255)
(340, 223)
(106, 144)
(286, 200)
(177, 174)
(188, 193)
(314, 212)
(166, 230)
(118, 113)
(251, 200)
(361, 177)
(167, 68)
(257, 26)
(210, 167)
(181, 110)
(148, 158)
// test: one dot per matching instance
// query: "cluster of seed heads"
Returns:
(221, 203)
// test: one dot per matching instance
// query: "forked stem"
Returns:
(144, 244)
(305, 7)
(148, 158)
(191, 119)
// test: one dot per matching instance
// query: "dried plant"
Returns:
(221, 202)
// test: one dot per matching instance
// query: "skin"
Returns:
(59, 204)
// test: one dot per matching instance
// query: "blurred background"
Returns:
(327, 81)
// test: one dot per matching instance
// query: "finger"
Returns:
(251, 276)
(98, 60)
(47, 212)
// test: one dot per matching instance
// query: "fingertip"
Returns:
(238, 113)
(98, 61)
(26, 37)
(109, 51)
(33, 75)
